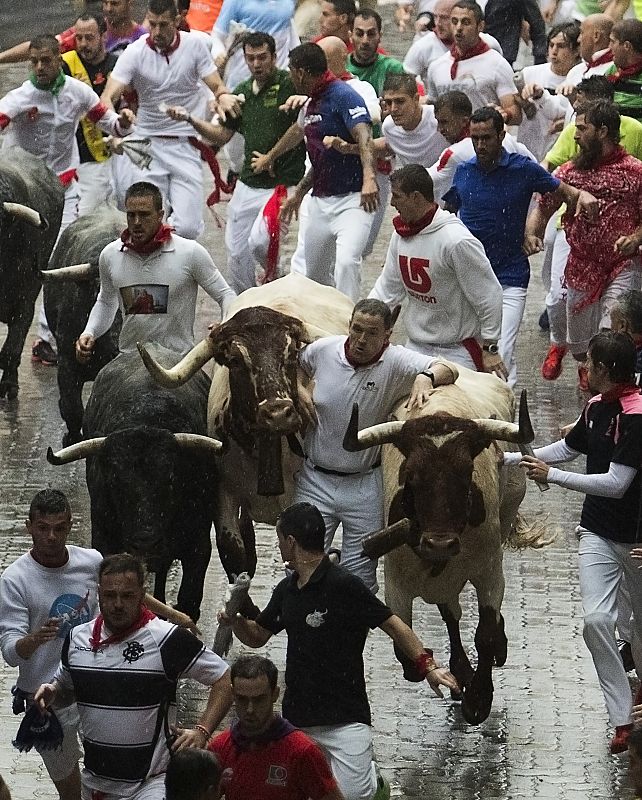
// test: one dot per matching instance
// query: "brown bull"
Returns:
(449, 506)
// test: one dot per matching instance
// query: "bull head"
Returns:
(92, 447)
(438, 494)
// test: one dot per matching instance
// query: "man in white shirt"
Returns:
(151, 275)
(595, 51)
(165, 69)
(472, 67)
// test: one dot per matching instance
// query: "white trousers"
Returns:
(246, 235)
(451, 352)
(335, 242)
(348, 749)
(152, 789)
(602, 565)
(514, 301)
(61, 763)
(94, 186)
(297, 263)
(354, 501)
(557, 293)
(176, 168)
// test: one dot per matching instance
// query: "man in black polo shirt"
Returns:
(609, 433)
(327, 613)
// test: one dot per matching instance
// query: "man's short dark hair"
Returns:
(569, 30)
(49, 501)
(191, 773)
(310, 57)
(45, 41)
(258, 39)
(455, 101)
(251, 667)
(596, 87)
(400, 83)
(162, 7)
(369, 13)
(304, 523)
(347, 7)
(629, 304)
(615, 351)
(145, 189)
(99, 19)
(629, 30)
(372, 307)
(118, 563)
(602, 113)
(414, 178)
(485, 114)
(471, 5)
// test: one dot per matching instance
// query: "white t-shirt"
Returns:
(156, 293)
(419, 146)
(429, 48)
(485, 78)
(580, 71)
(337, 385)
(535, 133)
(173, 79)
(30, 594)
(443, 170)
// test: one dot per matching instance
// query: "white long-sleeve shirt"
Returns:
(451, 290)
(156, 293)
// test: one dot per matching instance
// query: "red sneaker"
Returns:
(620, 742)
(552, 365)
(582, 377)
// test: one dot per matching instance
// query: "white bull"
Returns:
(450, 505)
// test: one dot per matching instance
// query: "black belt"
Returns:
(343, 474)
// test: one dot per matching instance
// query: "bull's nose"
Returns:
(441, 546)
(279, 416)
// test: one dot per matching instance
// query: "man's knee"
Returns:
(597, 627)
(187, 228)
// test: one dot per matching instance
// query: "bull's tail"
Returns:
(534, 535)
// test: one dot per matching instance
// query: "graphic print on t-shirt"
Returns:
(145, 298)
(414, 273)
(71, 610)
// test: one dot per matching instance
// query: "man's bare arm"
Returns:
(262, 162)
(15, 54)
(112, 92)
(362, 132)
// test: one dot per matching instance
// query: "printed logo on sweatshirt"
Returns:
(414, 274)
(71, 610)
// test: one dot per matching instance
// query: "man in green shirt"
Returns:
(625, 43)
(253, 229)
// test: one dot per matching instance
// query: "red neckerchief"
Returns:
(605, 58)
(406, 229)
(324, 81)
(166, 53)
(162, 235)
(477, 50)
(616, 155)
(464, 133)
(624, 72)
(354, 364)
(95, 641)
(621, 390)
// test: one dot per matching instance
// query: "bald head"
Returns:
(594, 34)
(336, 53)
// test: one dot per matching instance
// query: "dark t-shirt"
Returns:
(327, 622)
(610, 430)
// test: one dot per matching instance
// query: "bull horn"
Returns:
(196, 442)
(179, 374)
(84, 449)
(77, 272)
(369, 437)
(382, 542)
(26, 214)
(508, 431)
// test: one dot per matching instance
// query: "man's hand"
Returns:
(126, 119)
(532, 244)
(228, 105)
(587, 204)
(308, 410)
(189, 737)
(45, 695)
(441, 677)
(549, 11)
(567, 90)
(261, 162)
(494, 365)
(420, 392)
(177, 113)
(294, 102)
(339, 144)
(532, 91)
(627, 245)
(369, 194)
(403, 14)
(185, 621)
(536, 469)
(566, 429)
(28, 645)
(290, 208)
(85, 347)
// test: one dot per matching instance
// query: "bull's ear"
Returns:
(477, 512)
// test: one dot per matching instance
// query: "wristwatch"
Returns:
(430, 375)
(490, 348)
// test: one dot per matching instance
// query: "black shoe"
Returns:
(626, 655)
(543, 322)
(44, 353)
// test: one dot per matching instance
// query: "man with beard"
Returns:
(609, 433)
(600, 262)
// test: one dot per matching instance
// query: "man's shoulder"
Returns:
(111, 250)
(17, 568)
(389, 64)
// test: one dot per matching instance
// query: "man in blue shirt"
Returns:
(492, 193)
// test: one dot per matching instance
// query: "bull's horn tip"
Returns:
(52, 458)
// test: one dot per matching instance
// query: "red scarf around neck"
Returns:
(354, 364)
(624, 72)
(95, 641)
(406, 229)
(162, 235)
(477, 50)
(324, 81)
(168, 51)
(605, 58)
